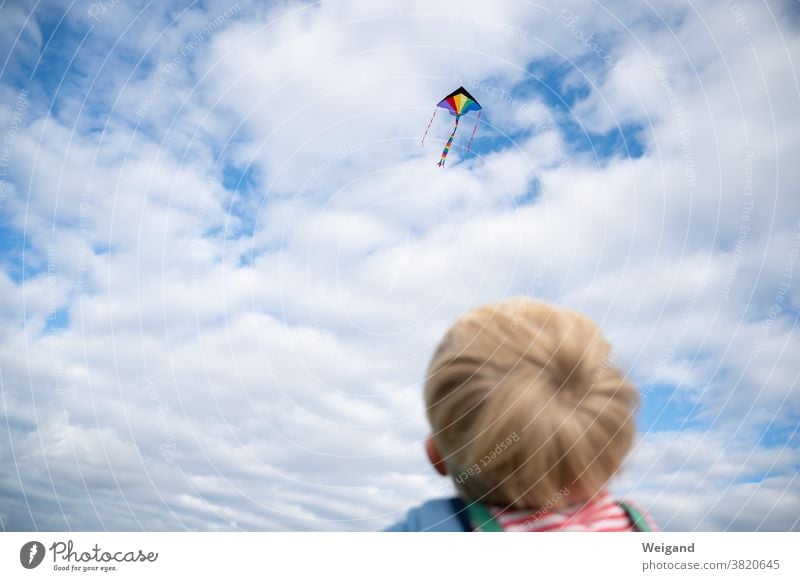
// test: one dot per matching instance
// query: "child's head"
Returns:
(523, 404)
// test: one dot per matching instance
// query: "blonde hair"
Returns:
(524, 405)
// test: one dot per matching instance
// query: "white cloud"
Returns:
(250, 355)
(705, 481)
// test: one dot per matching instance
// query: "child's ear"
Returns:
(434, 456)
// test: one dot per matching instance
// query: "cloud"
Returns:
(715, 483)
(238, 259)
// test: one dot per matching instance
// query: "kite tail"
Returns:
(429, 126)
(449, 143)
(474, 129)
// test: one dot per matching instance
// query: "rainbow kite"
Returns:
(459, 102)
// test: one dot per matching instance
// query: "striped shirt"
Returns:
(601, 514)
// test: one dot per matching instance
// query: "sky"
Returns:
(226, 259)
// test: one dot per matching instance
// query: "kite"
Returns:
(459, 103)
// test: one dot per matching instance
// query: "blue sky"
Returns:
(238, 260)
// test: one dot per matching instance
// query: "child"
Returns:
(530, 421)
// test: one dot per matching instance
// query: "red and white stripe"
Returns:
(601, 514)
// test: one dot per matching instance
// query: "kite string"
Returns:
(429, 126)
(474, 129)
